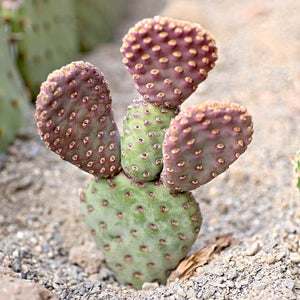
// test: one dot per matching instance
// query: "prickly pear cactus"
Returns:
(168, 58)
(202, 141)
(14, 105)
(47, 36)
(75, 119)
(144, 130)
(144, 218)
(143, 230)
(297, 168)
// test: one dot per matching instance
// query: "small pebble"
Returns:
(253, 249)
(295, 257)
(189, 283)
(280, 255)
(16, 265)
(267, 258)
(232, 274)
(150, 286)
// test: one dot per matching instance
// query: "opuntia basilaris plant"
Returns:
(139, 207)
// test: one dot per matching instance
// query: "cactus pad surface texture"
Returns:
(143, 230)
(168, 58)
(144, 130)
(75, 119)
(14, 101)
(202, 141)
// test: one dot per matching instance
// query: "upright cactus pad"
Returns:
(14, 100)
(168, 58)
(143, 230)
(144, 130)
(202, 141)
(75, 119)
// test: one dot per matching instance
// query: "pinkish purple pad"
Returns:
(75, 119)
(202, 141)
(168, 58)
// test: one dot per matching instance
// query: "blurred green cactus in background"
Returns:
(47, 36)
(97, 21)
(14, 104)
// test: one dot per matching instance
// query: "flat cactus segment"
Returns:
(144, 130)
(168, 58)
(75, 119)
(143, 230)
(14, 100)
(202, 141)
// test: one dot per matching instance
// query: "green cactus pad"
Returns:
(168, 58)
(143, 230)
(14, 100)
(75, 119)
(144, 130)
(202, 141)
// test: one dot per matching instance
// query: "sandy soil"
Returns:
(42, 236)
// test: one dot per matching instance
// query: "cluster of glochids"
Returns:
(139, 208)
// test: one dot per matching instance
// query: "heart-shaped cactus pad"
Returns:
(202, 141)
(143, 229)
(75, 119)
(168, 58)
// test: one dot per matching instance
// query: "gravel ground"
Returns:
(42, 236)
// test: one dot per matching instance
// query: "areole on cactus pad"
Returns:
(141, 214)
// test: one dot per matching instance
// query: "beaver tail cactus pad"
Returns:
(75, 119)
(168, 58)
(144, 130)
(202, 141)
(143, 230)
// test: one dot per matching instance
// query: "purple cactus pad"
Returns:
(202, 141)
(75, 119)
(168, 58)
